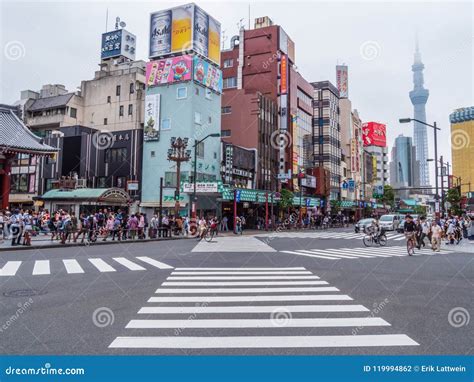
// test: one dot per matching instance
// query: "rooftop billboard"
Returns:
(374, 134)
(183, 29)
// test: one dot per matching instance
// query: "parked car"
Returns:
(389, 222)
(362, 224)
(401, 226)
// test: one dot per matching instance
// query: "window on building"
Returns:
(73, 112)
(121, 111)
(225, 133)
(105, 121)
(101, 182)
(48, 184)
(226, 109)
(117, 90)
(152, 154)
(109, 99)
(170, 179)
(197, 117)
(230, 82)
(130, 109)
(121, 181)
(209, 119)
(116, 155)
(208, 94)
(19, 183)
(166, 124)
(196, 90)
(132, 88)
(215, 155)
(181, 93)
(200, 150)
(228, 63)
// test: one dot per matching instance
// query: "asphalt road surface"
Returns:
(277, 293)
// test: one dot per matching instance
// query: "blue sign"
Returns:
(322, 202)
(237, 196)
(308, 202)
(351, 185)
(345, 186)
(111, 44)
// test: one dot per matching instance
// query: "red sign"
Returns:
(374, 134)
(283, 74)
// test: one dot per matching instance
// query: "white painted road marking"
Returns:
(177, 342)
(10, 268)
(101, 265)
(258, 323)
(244, 290)
(206, 299)
(240, 283)
(155, 263)
(129, 264)
(41, 267)
(251, 309)
(72, 266)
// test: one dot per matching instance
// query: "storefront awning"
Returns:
(106, 196)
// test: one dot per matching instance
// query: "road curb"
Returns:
(89, 244)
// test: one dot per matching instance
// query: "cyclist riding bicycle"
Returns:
(409, 230)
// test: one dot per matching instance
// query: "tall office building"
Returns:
(462, 146)
(404, 168)
(419, 96)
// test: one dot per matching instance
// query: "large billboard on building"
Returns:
(169, 70)
(152, 117)
(374, 134)
(283, 74)
(207, 74)
(183, 29)
(118, 43)
(342, 81)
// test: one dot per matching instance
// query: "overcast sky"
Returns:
(59, 42)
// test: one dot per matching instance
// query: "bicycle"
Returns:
(411, 245)
(209, 234)
(372, 238)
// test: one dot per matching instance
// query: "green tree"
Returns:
(286, 199)
(420, 210)
(454, 198)
(388, 196)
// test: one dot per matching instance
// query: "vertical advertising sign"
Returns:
(182, 29)
(342, 81)
(354, 155)
(152, 117)
(283, 74)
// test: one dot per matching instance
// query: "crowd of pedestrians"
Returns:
(20, 225)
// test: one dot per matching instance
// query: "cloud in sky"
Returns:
(60, 43)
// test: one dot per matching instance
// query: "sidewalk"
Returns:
(44, 241)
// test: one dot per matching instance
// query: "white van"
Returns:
(389, 222)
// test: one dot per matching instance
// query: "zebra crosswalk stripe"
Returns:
(41, 267)
(241, 283)
(239, 313)
(155, 263)
(323, 252)
(10, 268)
(101, 265)
(129, 264)
(72, 266)
(310, 255)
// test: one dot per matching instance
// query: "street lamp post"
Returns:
(435, 131)
(194, 201)
(178, 153)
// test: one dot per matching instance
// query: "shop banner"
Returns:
(207, 74)
(169, 71)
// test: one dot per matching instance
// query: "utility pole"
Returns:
(178, 153)
(160, 210)
(442, 184)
